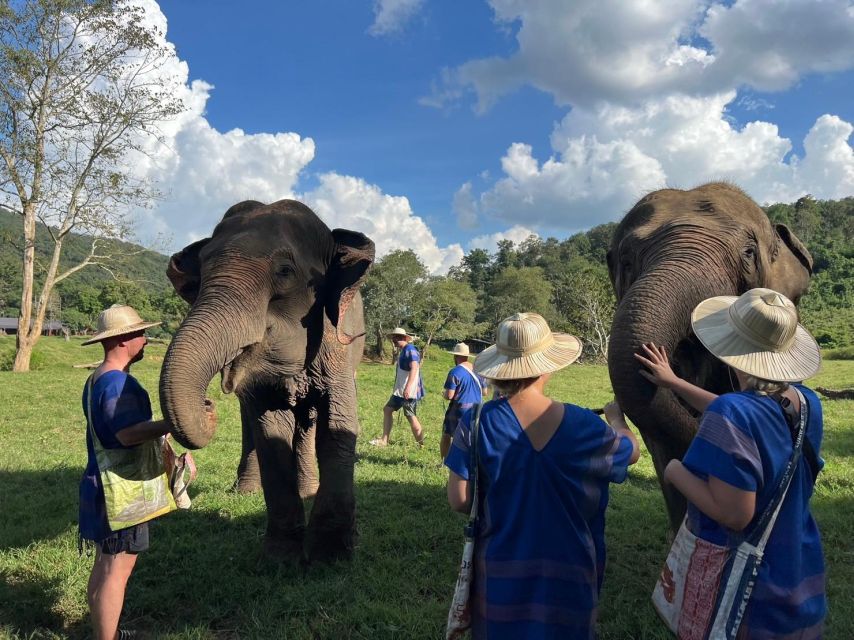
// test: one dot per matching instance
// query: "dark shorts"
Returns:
(410, 407)
(131, 540)
(452, 417)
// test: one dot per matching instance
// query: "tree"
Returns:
(390, 292)
(516, 289)
(445, 309)
(584, 297)
(82, 91)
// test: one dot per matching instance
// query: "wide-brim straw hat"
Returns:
(118, 320)
(758, 333)
(400, 331)
(525, 347)
(460, 349)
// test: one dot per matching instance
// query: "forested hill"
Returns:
(565, 280)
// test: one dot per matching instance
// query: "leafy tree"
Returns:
(82, 91)
(585, 300)
(445, 309)
(390, 292)
(516, 289)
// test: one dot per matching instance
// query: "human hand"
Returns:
(613, 413)
(658, 370)
(671, 470)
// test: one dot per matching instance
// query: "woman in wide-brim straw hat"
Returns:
(745, 440)
(544, 469)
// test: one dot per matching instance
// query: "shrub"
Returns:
(38, 360)
(843, 353)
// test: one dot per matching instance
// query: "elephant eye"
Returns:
(285, 271)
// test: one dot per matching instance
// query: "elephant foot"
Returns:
(246, 486)
(288, 551)
(331, 545)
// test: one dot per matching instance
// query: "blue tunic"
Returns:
(745, 441)
(118, 402)
(408, 355)
(466, 394)
(540, 550)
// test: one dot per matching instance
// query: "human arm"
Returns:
(410, 390)
(614, 416)
(448, 394)
(659, 372)
(451, 385)
(730, 506)
(458, 493)
(151, 429)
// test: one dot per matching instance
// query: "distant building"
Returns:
(9, 326)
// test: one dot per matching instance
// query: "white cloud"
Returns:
(607, 158)
(587, 51)
(517, 234)
(391, 16)
(348, 202)
(465, 207)
(202, 172)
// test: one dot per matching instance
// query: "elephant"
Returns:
(276, 309)
(672, 250)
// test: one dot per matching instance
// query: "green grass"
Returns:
(204, 576)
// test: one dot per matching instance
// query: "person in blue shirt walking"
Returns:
(544, 468)
(464, 389)
(408, 388)
(732, 467)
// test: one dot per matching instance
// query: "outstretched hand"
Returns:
(658, 370)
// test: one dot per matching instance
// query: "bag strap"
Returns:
(809, 453)
(476, 381)
(765, 524)
(471, 525)
(90, 423)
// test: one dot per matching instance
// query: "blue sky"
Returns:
(440, 125)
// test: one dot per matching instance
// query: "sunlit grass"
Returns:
(204, 576)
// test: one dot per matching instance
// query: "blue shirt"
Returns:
(540, 553)
(118, 402)
(408, 355)
(461, 381)
(744, 440)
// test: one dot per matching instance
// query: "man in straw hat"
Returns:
(121, 436)
(734, 465)
(542, 469)
(408, 389)
(464, 389)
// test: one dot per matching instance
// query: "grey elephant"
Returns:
(673, 249)
(276, 309)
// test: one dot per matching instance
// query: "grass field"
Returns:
(204, 576)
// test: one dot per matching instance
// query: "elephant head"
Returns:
(671, 251)
(262, 289)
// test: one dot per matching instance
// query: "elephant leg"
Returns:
(662, 452)
(332, 526)
(248, 473)
(274, 440)
(304, 446)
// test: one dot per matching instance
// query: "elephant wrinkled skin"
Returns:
(277, 311)
(672, 250)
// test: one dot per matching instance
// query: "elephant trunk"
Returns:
(219, 326)
(657, 308)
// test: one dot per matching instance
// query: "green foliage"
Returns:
(845, 353)
(38, 360)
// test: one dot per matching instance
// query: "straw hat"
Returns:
(460, 349)
(400, 331)
(525, 347)
(757, 333)
(118, 320)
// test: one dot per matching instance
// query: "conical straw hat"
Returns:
(525, 347)
(118, 320)
(460, 349)
(758, 333)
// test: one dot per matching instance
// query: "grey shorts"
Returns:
(410, 407)
(132, 540)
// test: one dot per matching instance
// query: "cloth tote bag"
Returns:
(459, 615)
(703, 590)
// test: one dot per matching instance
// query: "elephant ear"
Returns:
(353, 255)
(184, 271)
(795, 246)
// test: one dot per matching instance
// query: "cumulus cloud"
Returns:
(391, 16)
(517, 234)
(349, 202)
(201, 172)
(465, 207)
(606, 158)
(588, 51)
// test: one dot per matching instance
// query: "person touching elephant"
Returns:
(276, 310)
(672, 250)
